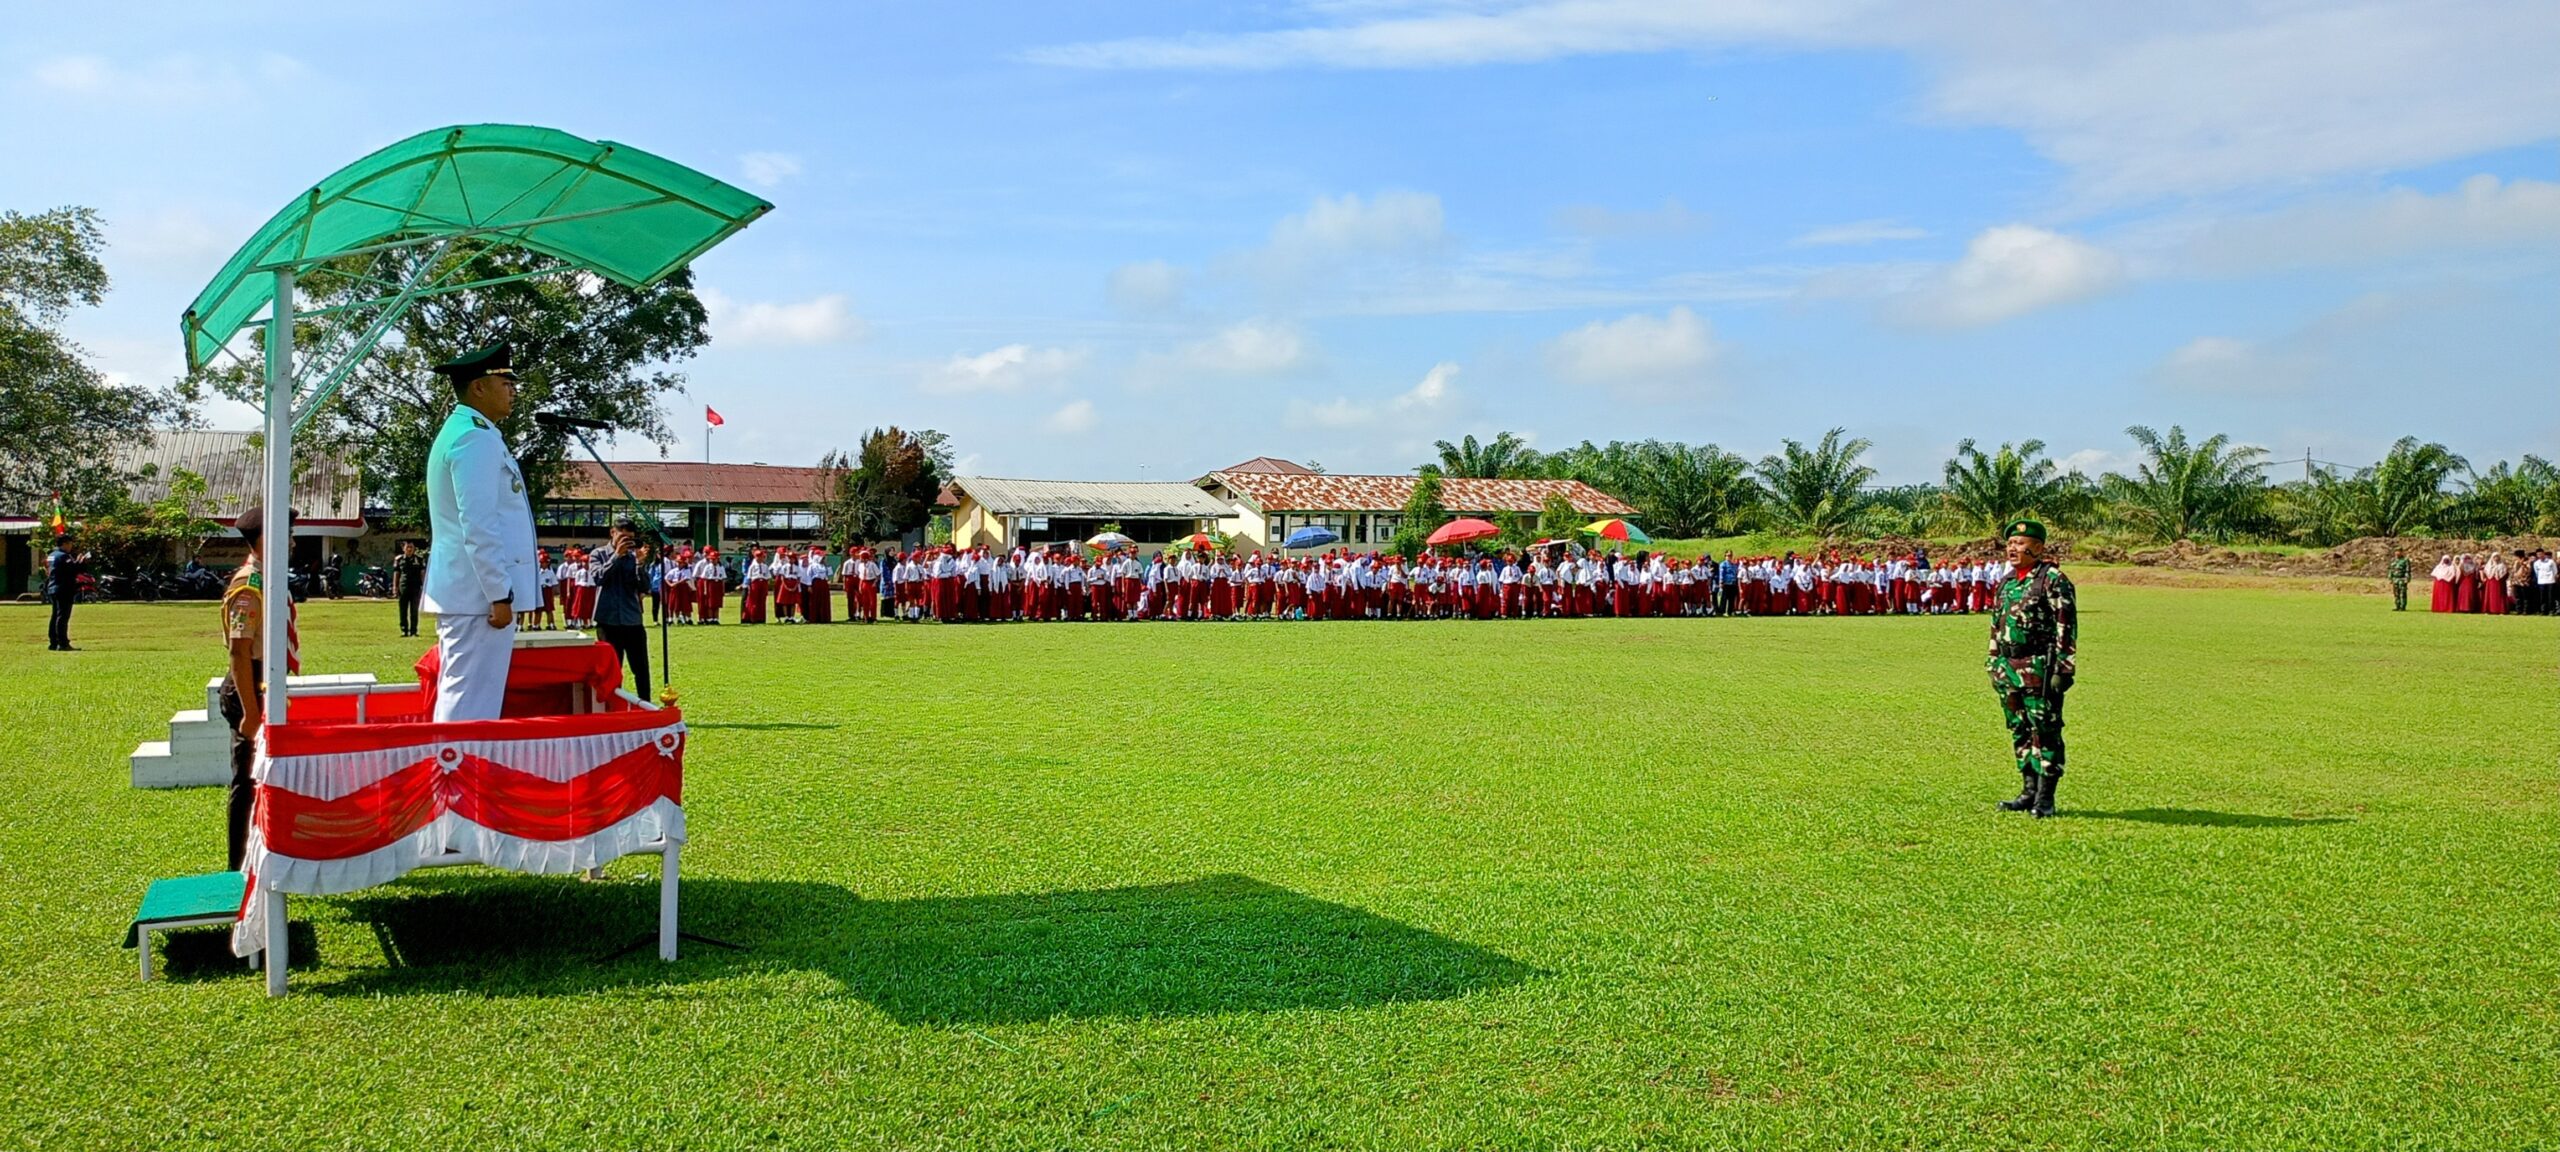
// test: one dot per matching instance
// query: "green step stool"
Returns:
(185, 902)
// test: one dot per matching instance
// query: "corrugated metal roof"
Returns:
(235, 476)
(1275, 492)
(1091, 498)
(692, 482)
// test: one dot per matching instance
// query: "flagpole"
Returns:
(710, 531)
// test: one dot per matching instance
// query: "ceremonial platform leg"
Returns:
(667, 904)
(277, 954)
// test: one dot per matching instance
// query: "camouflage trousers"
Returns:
(2031, 702)
(2399, 595)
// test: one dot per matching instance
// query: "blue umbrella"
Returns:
(1312, 536)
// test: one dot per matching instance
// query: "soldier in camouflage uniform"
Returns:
(2399, 573)
(2035, 627)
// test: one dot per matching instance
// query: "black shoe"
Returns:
(2026, 793)
(2044, 793)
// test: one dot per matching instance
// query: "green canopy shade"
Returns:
(608, 208)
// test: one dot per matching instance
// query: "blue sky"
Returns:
(1147, 240)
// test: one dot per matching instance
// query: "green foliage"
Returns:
(127, 534)
(1817, 491)
(1504, 457)
(1557, 519)
(584, 347)
(1984, 492)
(2511, 500)
(1676, 489)
(1423, 513)
(61, 422)
(2405, 493)
(2210, 488)
(885, 490)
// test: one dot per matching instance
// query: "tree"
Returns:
(1984, 493)
(2210, 488)
(885, 490)
(584, 346)
(1677, 489)
(127, 534)
(1817, 491)
(1557, 517)
(2511, 500)
(1423, 513)
(61, 422)
(2403, 493)
(1503, 457)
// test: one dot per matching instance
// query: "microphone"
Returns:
(556, 420)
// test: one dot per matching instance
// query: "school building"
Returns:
(707, 505)
(1002, 513)
(1269, 499)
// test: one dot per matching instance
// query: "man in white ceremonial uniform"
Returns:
(480, 563)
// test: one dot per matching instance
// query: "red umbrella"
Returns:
(1462, 530)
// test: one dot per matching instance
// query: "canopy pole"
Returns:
(276, 569)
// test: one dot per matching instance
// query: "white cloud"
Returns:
(819, 320)
(1337, 231)
(2205, 353)
(1252, 348)
(1012, 368)
(1598, 220)
(1860, 232)
(1639, 350)
(1432, 395)
(179, 78)
(2139, 101)
(2095, 462)
(1147, 288)
(766, 169)
(2010, 271)
(1077, 417)
(2483, 214)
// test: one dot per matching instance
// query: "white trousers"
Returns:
(472, 683)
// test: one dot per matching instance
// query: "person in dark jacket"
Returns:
(62, 572)
(619, 584)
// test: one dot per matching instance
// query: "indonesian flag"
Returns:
(711, 416)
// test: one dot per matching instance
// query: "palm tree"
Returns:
(1695, 489)
(2518, 499)
(1502, 457)
(2212, 488)
(1817, 491)
(2404, 493)
(2019, 480)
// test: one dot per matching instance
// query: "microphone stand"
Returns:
(666, 670)
(657, 537)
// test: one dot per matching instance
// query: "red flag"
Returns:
(711, 416)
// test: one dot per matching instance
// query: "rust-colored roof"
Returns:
(1271, 464)
(689, 482)
(1310, 492)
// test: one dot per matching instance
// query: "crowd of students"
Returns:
(967, 585)
(2489, 583)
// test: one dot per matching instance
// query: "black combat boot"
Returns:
(2026, 793)
(2044, 793)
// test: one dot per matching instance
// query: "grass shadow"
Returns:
(191, 954)
(1218, 944)
(1213, 945)
(2205, 818)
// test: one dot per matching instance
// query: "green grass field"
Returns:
(1533, 885)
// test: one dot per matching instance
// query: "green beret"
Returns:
(2032, 529)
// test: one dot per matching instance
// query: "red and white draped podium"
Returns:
(357, 791)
